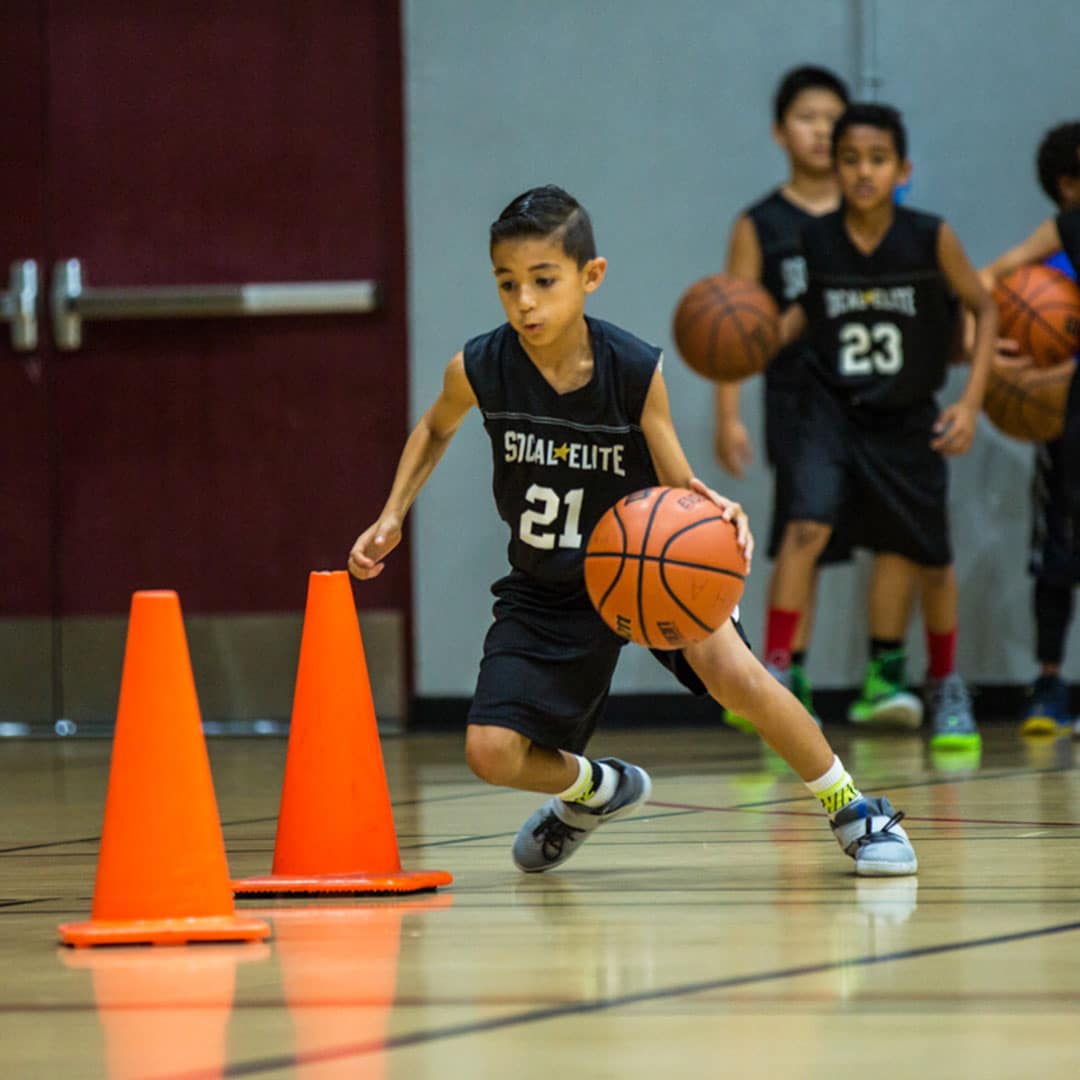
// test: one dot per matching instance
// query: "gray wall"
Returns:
(657, 118)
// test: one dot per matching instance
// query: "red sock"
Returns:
(941, 651)
(780, 630)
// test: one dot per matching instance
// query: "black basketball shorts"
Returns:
(1055, 545)
(548, 663)
(783, 417)
(876, 468)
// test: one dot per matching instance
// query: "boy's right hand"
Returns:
(372, 546)
(733, 448)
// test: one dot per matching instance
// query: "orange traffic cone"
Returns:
(162, 877)
(335, 827)
(164, 1011)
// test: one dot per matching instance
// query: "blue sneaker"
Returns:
(869, 830)
(1047, 708)
(554, 832)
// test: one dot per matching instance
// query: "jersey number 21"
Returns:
(538, 527)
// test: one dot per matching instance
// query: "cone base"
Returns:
(162, 931)
(402, 881)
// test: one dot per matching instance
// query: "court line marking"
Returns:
(555, 1012)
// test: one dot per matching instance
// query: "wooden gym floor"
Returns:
(720, 933)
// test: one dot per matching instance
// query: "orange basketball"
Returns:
(663, 569)
(1029, 403)
(726, 328)
(1039, 307)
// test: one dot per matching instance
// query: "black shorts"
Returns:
(548, 664)
(1055, 545)
(878, 469)
(783, 412)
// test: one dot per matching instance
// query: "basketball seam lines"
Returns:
(622, 564)
(641, 576)
(661, 558)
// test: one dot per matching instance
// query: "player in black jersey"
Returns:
(765, 247)
(879, 317)
(577, 413)
(1055, 555)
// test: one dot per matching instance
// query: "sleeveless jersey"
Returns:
(1068, 224)
(561, 460)
(779, 223)
(880, 325)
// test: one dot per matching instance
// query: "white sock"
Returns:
(594, 786)
(834, 788)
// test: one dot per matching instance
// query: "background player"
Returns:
(548, 377)
(765, 247)
(1055, 555)
(881, 326)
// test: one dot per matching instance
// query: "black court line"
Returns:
(584, 1008)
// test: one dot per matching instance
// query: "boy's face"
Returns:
(869, 167)
(805, 132)
(542, 289)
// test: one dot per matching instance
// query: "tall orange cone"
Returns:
(162, 877)
(335, 827)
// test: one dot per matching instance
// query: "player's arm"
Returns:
(671, 465)
(955, 427)
(1039, 246)
(793, 324)
(732, 444)
(423, 449)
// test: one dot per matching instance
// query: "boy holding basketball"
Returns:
(1055, 550)
(879, 319)
(547, 378)
(765, 247)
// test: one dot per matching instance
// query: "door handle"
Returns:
(72, 302)
(18, 306)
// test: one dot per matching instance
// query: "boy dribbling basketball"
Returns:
(1055, 548)
(547, 380)
(881, 326)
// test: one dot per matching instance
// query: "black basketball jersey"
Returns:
(779, 223)
(880, 325)
(562, 459)
(1068, 224)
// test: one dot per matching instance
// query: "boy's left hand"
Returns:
(732, 512)
(955, 429)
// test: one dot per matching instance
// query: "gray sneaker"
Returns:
(868, 830)
(953, 722)
(558, 829)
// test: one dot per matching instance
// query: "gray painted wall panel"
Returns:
(657, 118)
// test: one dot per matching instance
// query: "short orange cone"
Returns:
(335, 827)
(162, 877)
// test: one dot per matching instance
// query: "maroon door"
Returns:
(225, 458)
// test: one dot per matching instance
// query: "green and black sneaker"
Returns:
(884, 702)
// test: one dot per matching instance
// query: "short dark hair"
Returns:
(871, 114)
(806, 77)
(548, 211)
(1058, 156)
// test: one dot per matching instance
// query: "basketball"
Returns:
(663, 568)
(1029, 403)
(1039, 307)
(725, 328)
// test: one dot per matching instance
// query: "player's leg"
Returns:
(867, 828)
(885, 700)
(1047, 706)
(543, 682)
(1055, 564)
(951, 715)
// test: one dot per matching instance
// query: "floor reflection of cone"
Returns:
(164, 1011)
(162, 877)
(335, 828)
(339, 969)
